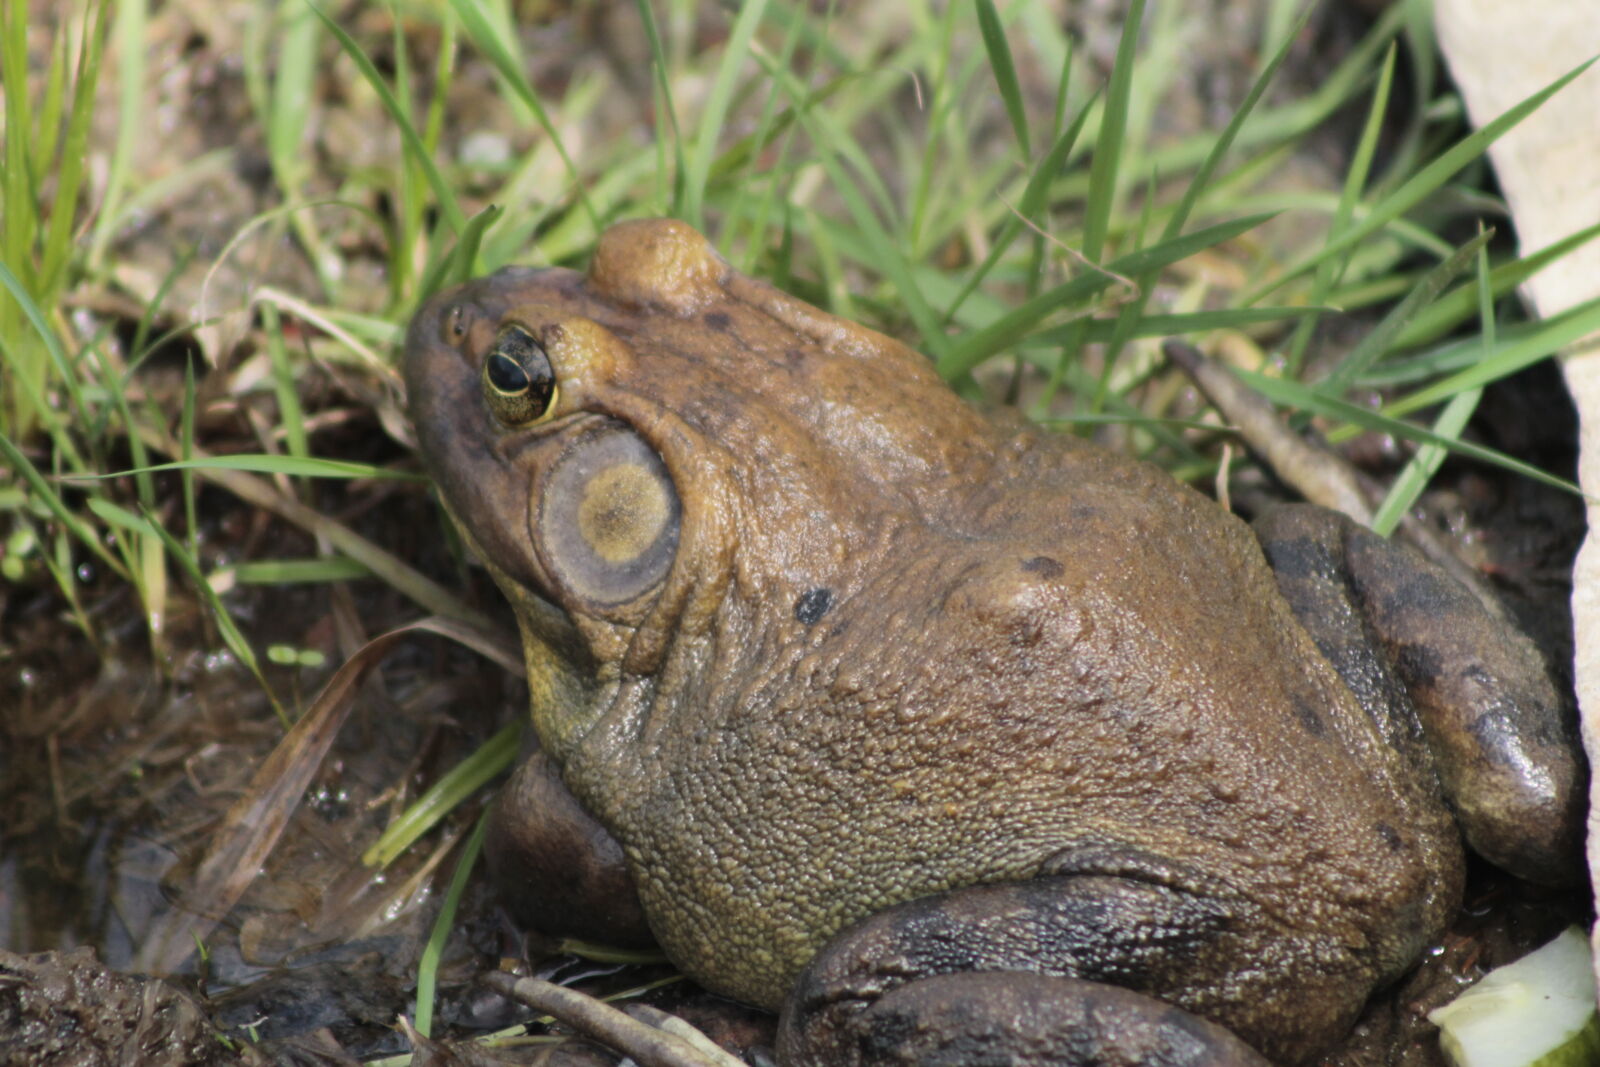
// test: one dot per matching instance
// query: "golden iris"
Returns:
(518, 381)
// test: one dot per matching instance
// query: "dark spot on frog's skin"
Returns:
(1044, 567)
(1309, 717)
(718, 320)
(813, 605)
(1390, 836)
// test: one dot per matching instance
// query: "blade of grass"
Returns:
(288, 572)
(1175, 325)
(493, 757)
(1507, 359)
(889, 259)
(460, 263)
(262, 463)
(1128, 320)
(1421, 185)
(1453, 308)
(714, 116)
(1451, 421)
(152, 587)
(23, 393)
(489, 43)
(1299, 397)
(191, 513)
(1005, 71)
(664, 104)
(443, 924)
(430, 595)
(45, 493)
(1104, 190)
(290, 416)
(1032, 203)
(23, 301)
(449, 206)
(145, 485)
(130, 33)
(58, 243)
(968, 351)
(1416, 474)
(140, 348)
(1379, 339)
(755, 203)
(148, 525)
(1452, 356)
(60, 572)
(1230, 132)
(933, 173)
(288, 115)
(1331, 271)
(1103, 169)
(46, 113)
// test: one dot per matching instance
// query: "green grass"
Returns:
(960, 177)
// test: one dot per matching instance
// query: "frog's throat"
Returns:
(561, 671)
(561, 701)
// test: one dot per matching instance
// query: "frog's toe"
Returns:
(1013, 1018)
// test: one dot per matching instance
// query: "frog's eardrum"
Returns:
(607, 516)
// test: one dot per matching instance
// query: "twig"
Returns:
(649, 1044)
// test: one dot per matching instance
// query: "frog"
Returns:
(948, 737)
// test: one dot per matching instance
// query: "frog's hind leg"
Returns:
(1059, 970)
(1501, 739)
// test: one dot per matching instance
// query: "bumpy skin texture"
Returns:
(957, 696)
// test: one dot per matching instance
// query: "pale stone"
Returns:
(1501, 51)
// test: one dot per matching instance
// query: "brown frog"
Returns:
(951, 738)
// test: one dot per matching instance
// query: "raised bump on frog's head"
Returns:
(661, 263)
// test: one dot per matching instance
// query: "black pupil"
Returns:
(506, 375)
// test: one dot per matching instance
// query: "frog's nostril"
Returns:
(455, 323)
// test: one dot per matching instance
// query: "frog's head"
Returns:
(663, 458)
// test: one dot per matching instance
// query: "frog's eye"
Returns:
(518, 381)
(607, 517)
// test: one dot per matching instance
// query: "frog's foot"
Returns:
(1404, 635)
(1061, 969)
(1019, 1018)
